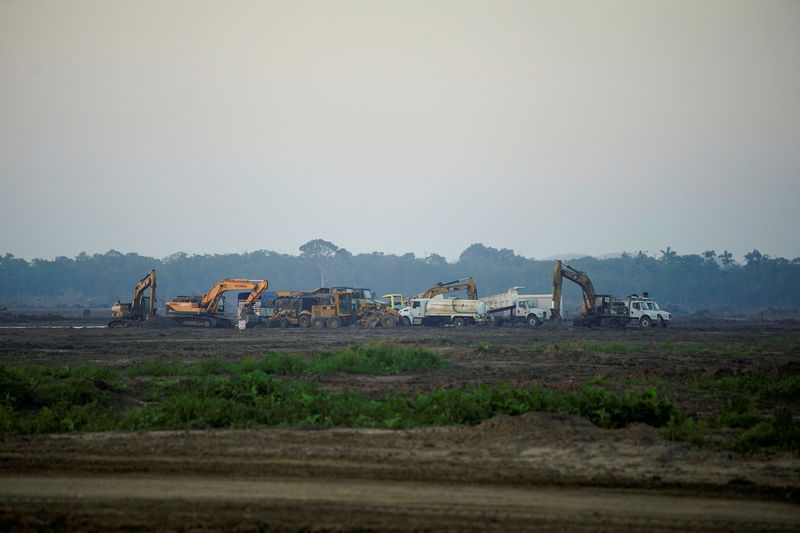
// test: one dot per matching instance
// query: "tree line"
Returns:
(682, 283)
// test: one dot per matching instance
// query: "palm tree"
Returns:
(668, 255)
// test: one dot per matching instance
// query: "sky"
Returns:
(423, 126)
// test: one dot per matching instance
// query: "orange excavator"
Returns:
(208, 310)
(124, 315)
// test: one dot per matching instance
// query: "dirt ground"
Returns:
(535, 471)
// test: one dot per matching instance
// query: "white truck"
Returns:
(645, 311)
(512, 307)
(439, 311)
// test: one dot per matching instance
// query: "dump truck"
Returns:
(510, 307)
(142, 307)
(441, 311)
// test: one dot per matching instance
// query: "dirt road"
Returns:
(208, 503)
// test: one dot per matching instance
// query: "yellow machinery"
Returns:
(596, 307)
(395, 301)
(467, 284)
(124, 315)
(208, 310)
(369, 312)
(322, 308)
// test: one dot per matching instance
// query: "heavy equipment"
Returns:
(513, 308)
(322, 308)
(604, 309)
(441, 311)
(208, 310)
(142, 307)
(467, 284)
(368, 311)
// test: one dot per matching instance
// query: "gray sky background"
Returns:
(415, 126)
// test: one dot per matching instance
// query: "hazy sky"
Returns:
(399, 126)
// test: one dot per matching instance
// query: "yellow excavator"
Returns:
(467, 284)
(596, 308)
(142, 307)
(208, 310)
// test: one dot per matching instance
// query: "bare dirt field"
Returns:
(531, 472)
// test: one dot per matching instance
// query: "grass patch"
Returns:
(69, 400)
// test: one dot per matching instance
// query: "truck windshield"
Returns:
(367, 294)
(654, 306)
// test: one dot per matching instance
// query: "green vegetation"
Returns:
(216, 394)
(749, 411)
(372, 358)
(69, 400)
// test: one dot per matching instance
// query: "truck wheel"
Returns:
(404, 322)
(645, 322)
(304, 321)
(388, 321)
(334, 322)
(459, 322)
(318, 323)
(533, 321)
(284, 323)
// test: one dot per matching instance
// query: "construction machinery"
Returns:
(208, 310)
(467, 284)
(370, 312)
(395, 301)
(443, 312)
(322, 308)
(604, 309)
(142, 307)
(512, 308)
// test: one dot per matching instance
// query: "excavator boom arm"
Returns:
(213, 296)
(467, 284)
(561, 271)
(138, 292)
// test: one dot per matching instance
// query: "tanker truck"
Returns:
(441, 311)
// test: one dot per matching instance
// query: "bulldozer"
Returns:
(142, 307)
(208, 310)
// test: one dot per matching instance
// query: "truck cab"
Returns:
(646, 312)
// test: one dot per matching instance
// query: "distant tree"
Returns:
(709, 255)
(668, 256)
(321, 252)
(727, 259)
(435, 259)
(755, 258)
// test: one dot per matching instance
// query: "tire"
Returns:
(405, 322)
(645, 322)
(388, 321)
(459, 322)
(334, 322)
(318, 323)
(284, 323)
(532, 321)
(497, 321)
(304, 321)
